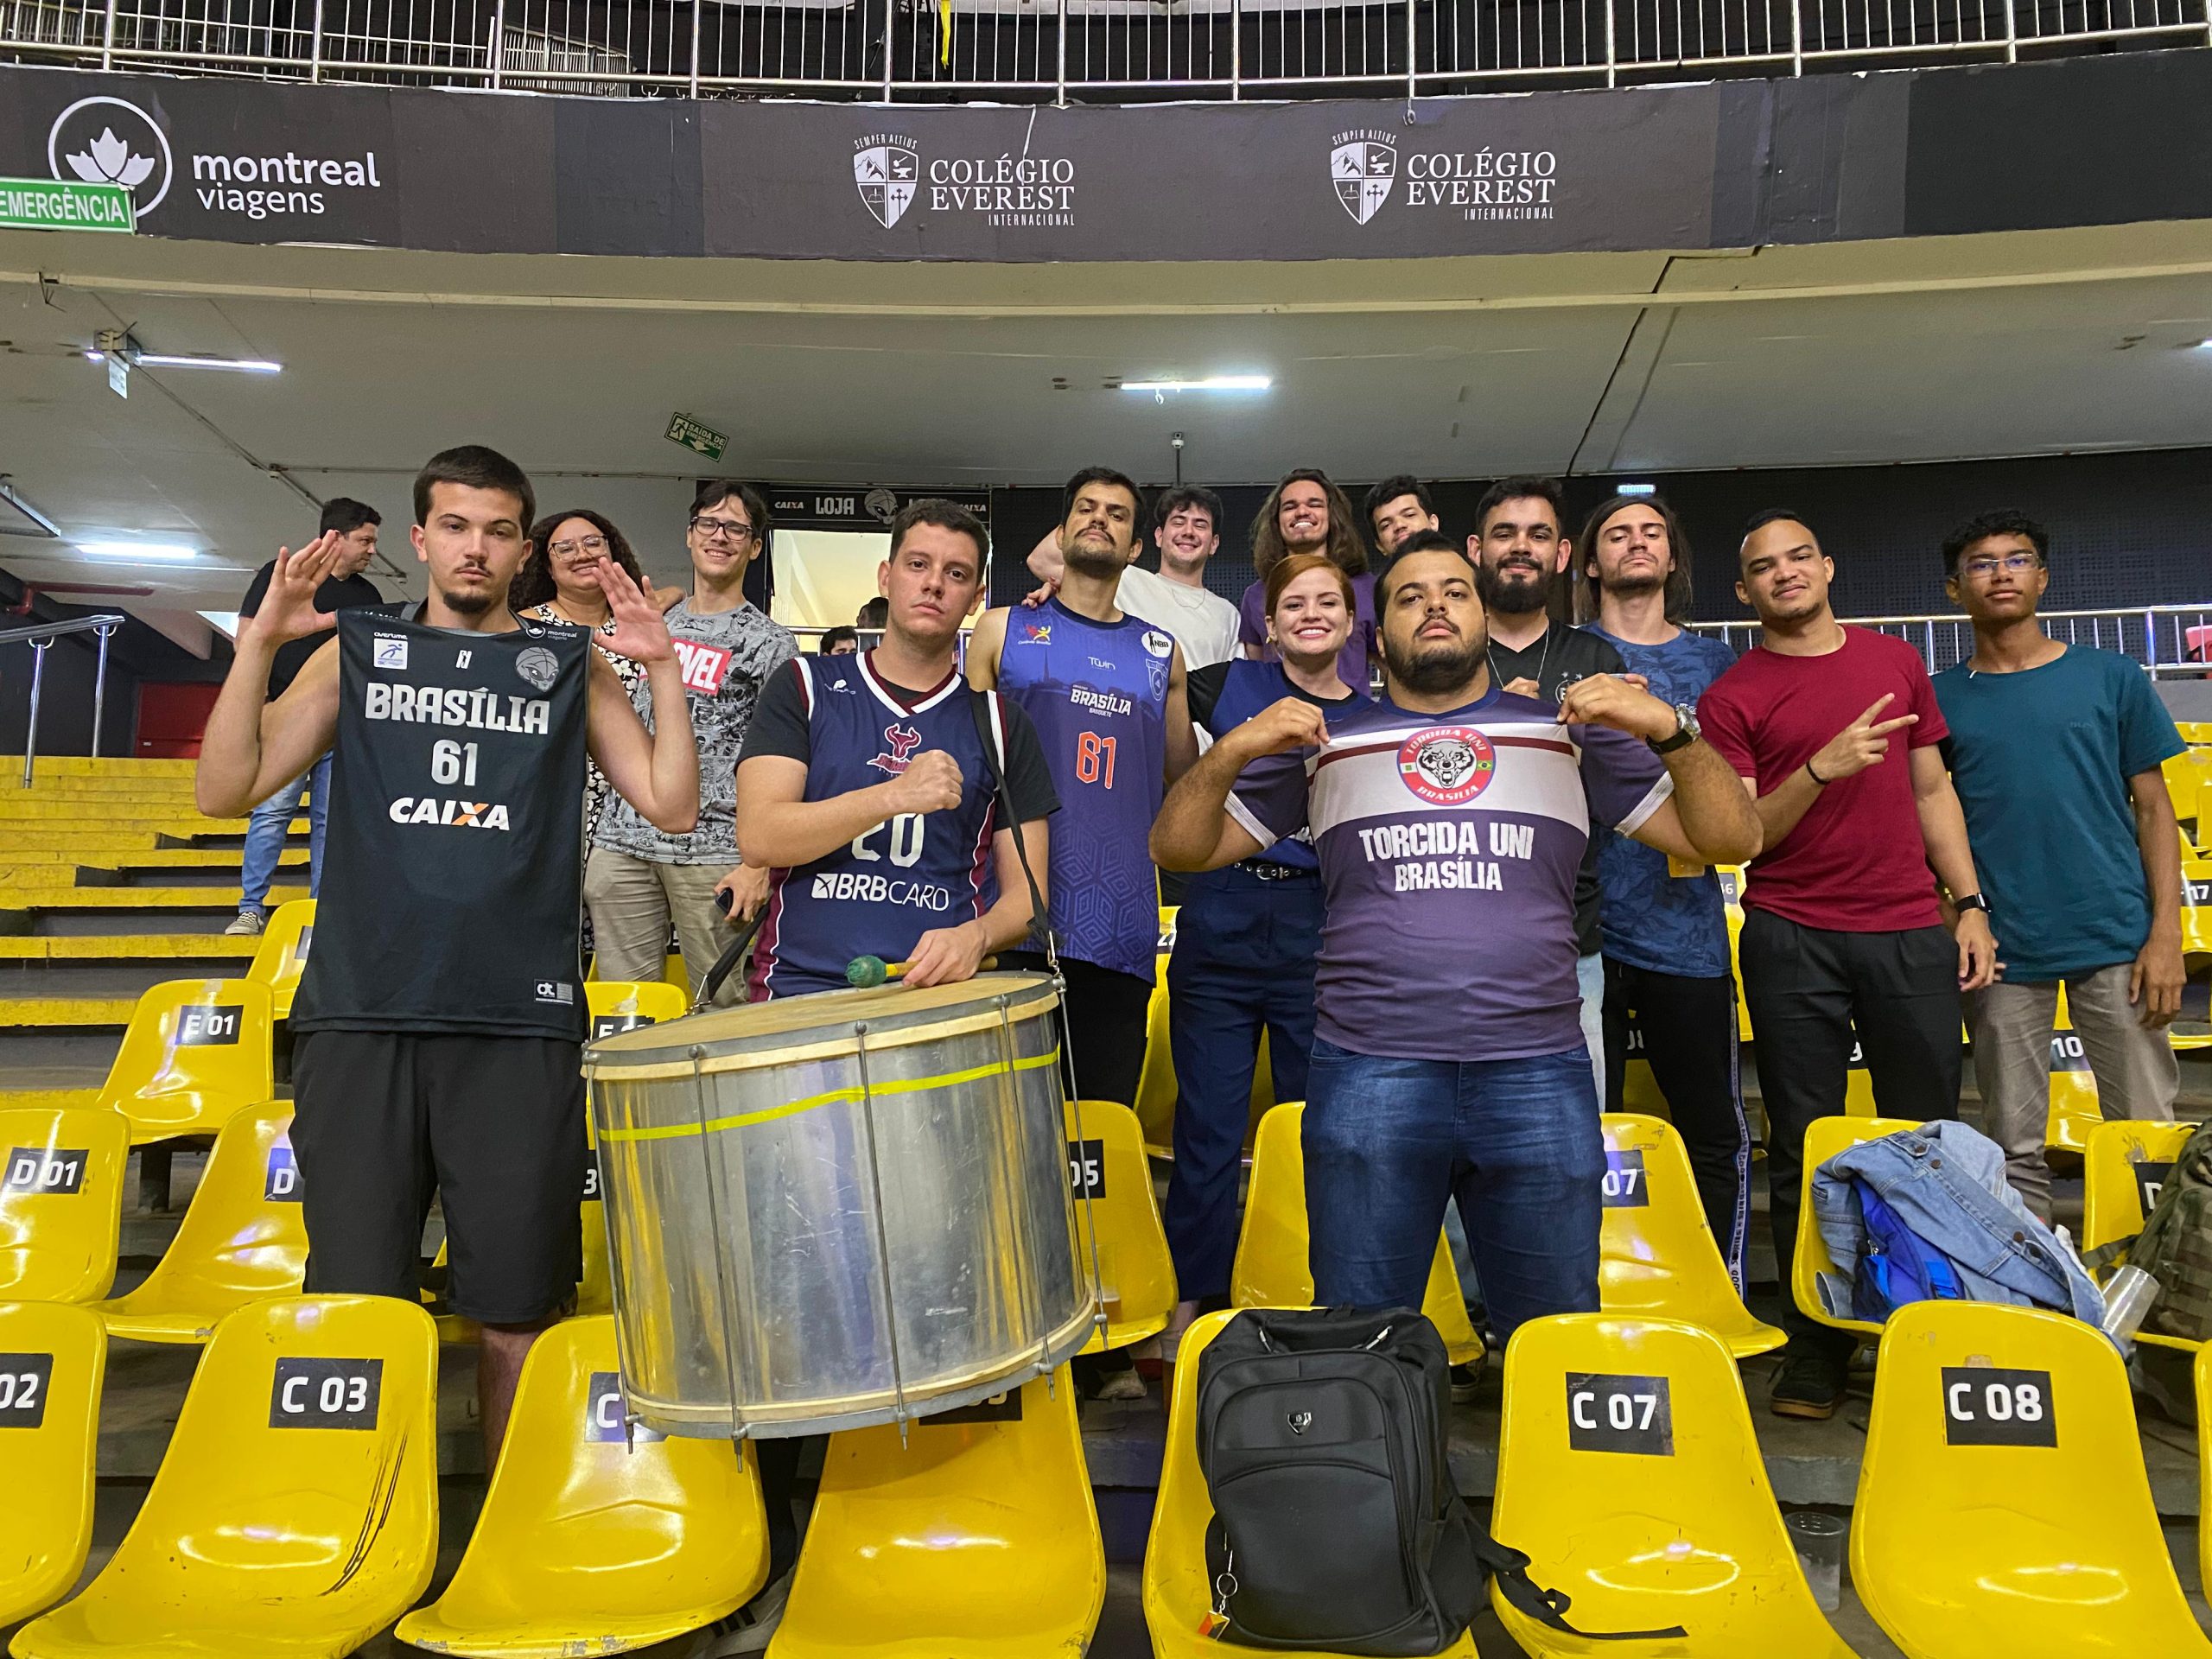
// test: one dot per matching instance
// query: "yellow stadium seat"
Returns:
(295, 1511)
(1156, 1087)
(2075, 1110)
(52, 1362)
(1824, 1138)
(282, 956)
(197, 1052)
(592, 1539)
(1135, 1279)
(61, 1202)
(2002, 1506)
(975, 1538)
(615, 1004)
(1629, 1474)
(1271, 1268)
(241, 1240)
(1733, 880)
(2121, 1171)
(1659, 1258)
(2204, 1379)
(1177, 1594)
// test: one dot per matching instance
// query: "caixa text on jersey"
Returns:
(432, 705)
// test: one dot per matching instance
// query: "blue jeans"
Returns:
(1243, 962)
(1387, 1143)
(267, 830)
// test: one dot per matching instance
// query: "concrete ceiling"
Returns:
(2040, 343)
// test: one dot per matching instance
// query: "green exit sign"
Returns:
(65, 204)
(698, 438)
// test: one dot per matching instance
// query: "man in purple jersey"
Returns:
(1449, 823)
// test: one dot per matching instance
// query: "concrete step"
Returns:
(145, 856)
(189, 867)
(50, 911)
(23, 807)
(86, 766)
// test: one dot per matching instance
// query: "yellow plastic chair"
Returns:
(1156, 1087)
(61, 1202)
(625, 1004)
(1629, 1474)
(593, 1540)
(1658, 1257)
(54, 1359)
(2121, 1170)
(1178, 1594)
(295, 1512)
(976, 1539)
(2075, 1109)
(1824, 1138)
(242, 1238)
(2003, 1507)
(2203, 1377)
(1135, 1282)
(1271, 1267)
(282, 956)
(196, 1052)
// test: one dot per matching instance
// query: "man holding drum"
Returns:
(441, 1015)
(1449, 823)
(865, 788)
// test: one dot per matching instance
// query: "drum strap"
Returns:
(981, 705)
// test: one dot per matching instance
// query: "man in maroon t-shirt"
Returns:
(1843, 927)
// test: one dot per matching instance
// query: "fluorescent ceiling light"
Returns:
(139, 552)
(194, 361)
(1212, 383)
(95, 357)
(1638, 489)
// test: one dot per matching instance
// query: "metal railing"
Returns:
(2170, 641)
(1060, 50)
(40, 638)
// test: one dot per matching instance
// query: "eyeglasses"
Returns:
(727, 530)
(2013, 564)
(584, 547)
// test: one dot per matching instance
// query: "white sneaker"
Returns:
(248, 924)
(752, 1626)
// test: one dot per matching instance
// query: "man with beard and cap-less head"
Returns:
(1186, 530)
(1521, 554)
(1307, 513)
(1448, 821)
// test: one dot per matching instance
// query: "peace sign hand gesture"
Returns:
(640, 633)
(1861, 744)
(287, 611)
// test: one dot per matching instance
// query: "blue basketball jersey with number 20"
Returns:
(1097, 694)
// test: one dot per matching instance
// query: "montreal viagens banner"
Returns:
(1682, 168)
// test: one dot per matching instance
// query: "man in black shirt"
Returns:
(441, 1015)
(354, 523)
(1521, 554)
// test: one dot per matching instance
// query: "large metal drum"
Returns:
(830, 1210)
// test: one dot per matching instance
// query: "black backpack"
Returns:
(1336, 1523)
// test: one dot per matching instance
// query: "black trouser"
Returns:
(1106, 1014)
(1688, 1028)
(1808, 988)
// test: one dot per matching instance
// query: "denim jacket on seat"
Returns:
(1946, 1182)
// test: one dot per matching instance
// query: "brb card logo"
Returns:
(1448, 765)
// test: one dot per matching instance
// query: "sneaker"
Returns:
(1125, 1384)
(752, 1627)
(248, 924)
(1466, 1382)
(1810, 1384)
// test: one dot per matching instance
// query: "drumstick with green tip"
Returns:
(864, 972)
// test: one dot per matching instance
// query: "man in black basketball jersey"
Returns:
(440, 1015)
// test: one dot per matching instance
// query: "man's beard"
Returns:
(1511, 598)
(1092, 560)
(1641, 584)
(1433, 667)
(466, 604)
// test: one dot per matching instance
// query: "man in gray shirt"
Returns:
(639, 881)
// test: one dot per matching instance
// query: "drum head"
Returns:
(884, 1015)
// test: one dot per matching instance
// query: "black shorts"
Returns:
(381, 1119)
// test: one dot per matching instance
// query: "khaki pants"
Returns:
(2011, 1025)
(634, 901)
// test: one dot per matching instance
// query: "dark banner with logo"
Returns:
(1730, 164)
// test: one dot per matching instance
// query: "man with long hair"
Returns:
(1666, 929)
(1307, 513)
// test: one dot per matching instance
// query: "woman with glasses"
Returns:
(639, 881)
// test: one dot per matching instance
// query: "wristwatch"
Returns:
(1686, 732)
(1972, 901)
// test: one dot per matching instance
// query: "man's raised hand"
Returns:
(287, 611)
(1292, 724)
(640, 633)
(1604, 700)
(931, 783)
(1861, 744)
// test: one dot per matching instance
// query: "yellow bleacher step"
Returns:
(29, 805)
(55, 1098)
(16, 897)
(61, 1012)
(99, 946)
(116, 765)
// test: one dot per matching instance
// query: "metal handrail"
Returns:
(40, 637)
(2132, 630)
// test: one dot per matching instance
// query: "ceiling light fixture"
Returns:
(1212, 383)
(139, 552)
(198, 360)
(1638, 489)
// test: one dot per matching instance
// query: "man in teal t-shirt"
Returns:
(2055, 751)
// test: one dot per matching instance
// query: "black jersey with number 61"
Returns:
(452, 858)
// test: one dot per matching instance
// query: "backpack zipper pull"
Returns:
(1381, 1337)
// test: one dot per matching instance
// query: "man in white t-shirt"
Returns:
(1186, 529)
